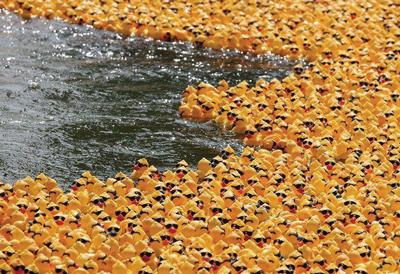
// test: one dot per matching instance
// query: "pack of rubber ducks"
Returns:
(317, 190)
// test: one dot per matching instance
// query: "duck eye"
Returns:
(145, 253)
(213, 262)
(62, 218)
(224, 221)
(259, 240)
(168, 226)
(239, 268)
(216, 210)
(159, 220)
(19, 268)
(238, 187)
(130, 225)
(84, 241)
(165, 237)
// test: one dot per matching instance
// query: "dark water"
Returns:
(74, 99)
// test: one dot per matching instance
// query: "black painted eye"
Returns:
(19, 268)
(119, 212)
(216, 210)
(159, 220)
(199, 219)
(249, 132)
(361, 272)
(240, 268)
(145, 253)
(38, 214)
(206, 254)
(217, 263)
(259, 240)
(238, 187)
(130, 225)
(223, 220)
(326, 211)
(146, 205)
(113, 229)
(236, 226)
(168, 226)
(8, 253)
(83, 241)
(248, 233)
(58, 217)
(165, 237)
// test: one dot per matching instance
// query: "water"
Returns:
(73, 99)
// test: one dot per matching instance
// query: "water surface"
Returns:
(73, 98)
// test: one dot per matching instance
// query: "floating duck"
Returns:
(320, 195)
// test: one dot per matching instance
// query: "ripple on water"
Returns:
(73, 98)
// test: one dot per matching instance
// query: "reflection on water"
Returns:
(74, 99)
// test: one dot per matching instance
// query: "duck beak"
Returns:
(368, 171)
(145, 258)
(59, 222)
(215, 267)
(180, 175)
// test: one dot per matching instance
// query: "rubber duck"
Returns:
(139, 168)
(335, 115)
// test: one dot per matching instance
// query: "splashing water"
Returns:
(73, 99)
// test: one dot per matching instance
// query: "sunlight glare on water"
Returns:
(73, 99)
